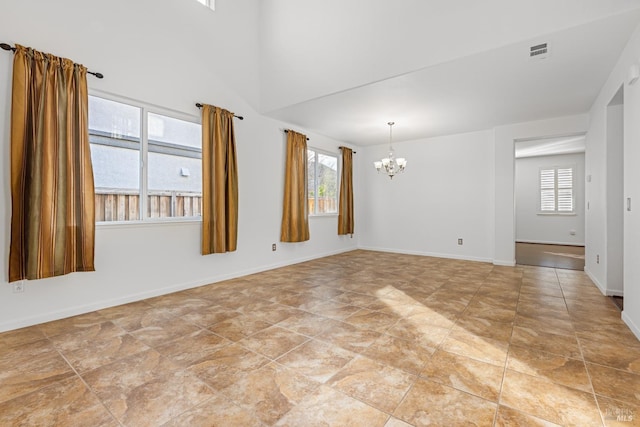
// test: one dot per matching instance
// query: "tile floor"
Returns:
(357, 339)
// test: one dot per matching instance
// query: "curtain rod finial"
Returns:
(7, 47)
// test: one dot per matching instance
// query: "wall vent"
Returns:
(539, 51)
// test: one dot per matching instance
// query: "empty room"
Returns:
(312, 213)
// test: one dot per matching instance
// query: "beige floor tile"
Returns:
(328, 407)
(623, 355)
(429, 403)
(80, 322)
(349, 337)
(550, 401)
(30, 367)
(399, 353)
(192, 348)
(374, 383)
(614, 383)
(224, 367)
(146, 387)
(422, 334)
(163, 331)
(484, 349)
(465, 374)
(239, 327)
(555, 368)
(273, 342)
(270, 391)
(20, 336)
(619, 414)
(64, 403)
(308, 324)
(508, 417)
(216, 412)
(373, 320)
(208, 316)
(563, 345)
(317, 360)
(485, 327)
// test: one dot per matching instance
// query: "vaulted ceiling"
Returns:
(344, 68)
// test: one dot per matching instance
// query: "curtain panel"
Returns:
(345, 209)
(52, 190)
(219, 182)
(295, 211)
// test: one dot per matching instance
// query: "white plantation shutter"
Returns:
(547, 190)
(556, 190)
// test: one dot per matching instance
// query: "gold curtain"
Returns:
(52, 194)
(219, 182)
(345, 210)
(295, 213)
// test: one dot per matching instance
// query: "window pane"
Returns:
(114, 134)
(547, 178)
(174, 168)
(311, 180)
(565, 200)
(547, 201)
(327, 187)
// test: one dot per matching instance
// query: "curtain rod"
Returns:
(199, 105)
(287, 131)
(7, 47)
(349, 149)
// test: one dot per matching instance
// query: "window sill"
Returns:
(148, 223)
(557, 214)
(329, 215)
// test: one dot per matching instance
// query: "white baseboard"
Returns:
(539, 242)
(634, 328)
(599, 285)
(421, 253)
(99, 305)
(504, 263)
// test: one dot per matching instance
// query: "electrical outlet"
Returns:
(273, 247)
(460, 241)
(18, 287)
(597, 259)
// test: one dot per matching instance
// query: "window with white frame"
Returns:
(322, 181)
(556, 190)
(146, 164)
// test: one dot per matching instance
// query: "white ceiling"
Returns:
(550, 146)
(475, 91)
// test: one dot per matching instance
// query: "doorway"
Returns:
(550, 201)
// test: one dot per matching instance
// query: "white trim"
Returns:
(421, 253)
(82, 309)
(540, 242)
(504, 263)
(634, 328)
(595, 281)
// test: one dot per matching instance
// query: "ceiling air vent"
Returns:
(539, 51)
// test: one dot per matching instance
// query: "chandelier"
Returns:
(390, 165)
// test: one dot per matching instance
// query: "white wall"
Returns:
(555, 229)
(596, 165)
(446, 193)
(615, 197)
(169, 54)
(504, 252)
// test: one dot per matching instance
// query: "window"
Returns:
(556, 190)
(145, 164)
(322, 181)
(209, 3)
